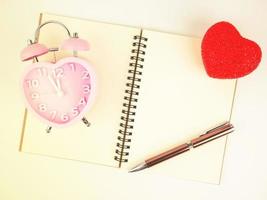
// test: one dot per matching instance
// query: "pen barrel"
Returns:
(167, 154)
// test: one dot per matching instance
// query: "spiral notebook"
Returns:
(153, 94)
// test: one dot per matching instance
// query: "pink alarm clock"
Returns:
(58, 93)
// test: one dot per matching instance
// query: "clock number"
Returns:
(58, 72)
(35, 96)
(65, 117)
(86, 88)
(72, 66)
(42, 71)
(53, 115)
(42, 107)
(83, 101)
(85, 75)
(75, 111)
(33, 83)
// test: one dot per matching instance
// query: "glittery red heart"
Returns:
(226, 54)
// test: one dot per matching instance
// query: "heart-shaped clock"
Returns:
(59, 93)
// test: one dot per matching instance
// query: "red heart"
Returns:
(226, 54)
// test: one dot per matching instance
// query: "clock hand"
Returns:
(54, 84)
(59, 87)
(59, 84)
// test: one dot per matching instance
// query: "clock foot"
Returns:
(86, 122)
(48, 129)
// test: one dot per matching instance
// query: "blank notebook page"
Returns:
(109, 54)
(177, 102)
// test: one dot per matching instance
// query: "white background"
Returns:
(24, 176)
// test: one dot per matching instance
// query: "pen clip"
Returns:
(213, 134)
(225, 126)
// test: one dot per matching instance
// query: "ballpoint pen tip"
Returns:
(138, 167)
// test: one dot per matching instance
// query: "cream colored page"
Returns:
(177, 102)
(109, 54)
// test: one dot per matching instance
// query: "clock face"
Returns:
(59, 93)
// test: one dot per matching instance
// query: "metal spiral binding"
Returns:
(130, 98)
